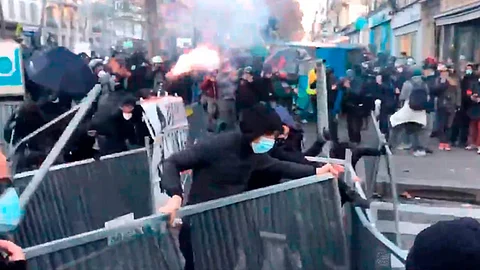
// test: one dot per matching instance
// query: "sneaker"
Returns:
(404, 146)
(419, 153)
(441, 146)
(446, 147)
(470, 147)
(478, 151)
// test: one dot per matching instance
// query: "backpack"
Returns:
(418, 97)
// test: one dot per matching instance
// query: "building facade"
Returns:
(381, 31)
(62, 22)
(24, 12)
(459, 34)
(407, 31)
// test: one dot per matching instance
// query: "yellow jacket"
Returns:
(312, 76)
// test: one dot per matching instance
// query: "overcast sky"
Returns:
(308, 8)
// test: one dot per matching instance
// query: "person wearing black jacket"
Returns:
(125, 125)
(353, 104)
(223, 165)
(468, 85)
(246, 94)
(386, 93)
(286, 149)
(264, 85)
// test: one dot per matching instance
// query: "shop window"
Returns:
(407, 43)
(464, 48)
(50, 19)
(413, 45)
(448, 45)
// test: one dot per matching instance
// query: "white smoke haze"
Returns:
(230, 23)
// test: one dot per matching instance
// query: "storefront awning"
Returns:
(467, 13)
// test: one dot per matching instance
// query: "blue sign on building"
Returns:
(381, 31)
(11, 71)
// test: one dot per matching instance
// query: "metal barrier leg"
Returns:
(58, 147)
(393, 184)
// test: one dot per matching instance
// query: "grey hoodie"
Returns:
(409, 85)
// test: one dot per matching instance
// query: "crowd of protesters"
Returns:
(413, 103)
(257, 138)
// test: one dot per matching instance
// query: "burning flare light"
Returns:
(199, 59)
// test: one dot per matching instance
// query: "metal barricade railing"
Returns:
(372, 168)
(81, 196)
(369, 248)
(294, 225)
(6, 110)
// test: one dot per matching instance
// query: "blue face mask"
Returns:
(263, 145)
(468, 71)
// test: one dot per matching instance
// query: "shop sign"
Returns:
(407, 16)
(380, 17)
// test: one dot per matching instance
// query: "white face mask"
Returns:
(102, 73)
(127, 116)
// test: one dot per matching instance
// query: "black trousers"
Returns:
(354, 127)
(459, 130)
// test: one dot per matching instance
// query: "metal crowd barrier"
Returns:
(6, 110)
(372, 166)
(81, 196)
(369, 248)
(294, 225)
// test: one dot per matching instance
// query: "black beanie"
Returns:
(447, 245)
(259, 120)
(129, 100)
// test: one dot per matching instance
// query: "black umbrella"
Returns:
(61, 71)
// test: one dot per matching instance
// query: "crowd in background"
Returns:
(414, 102)
(253, 107)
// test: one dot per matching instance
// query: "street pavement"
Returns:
(444, 172)
(451, 176)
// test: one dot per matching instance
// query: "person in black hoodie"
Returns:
(468, 85)
(246, 94)
(353, 106)
(223, 165)
(386, 93)
(286, 149)
(122, 127)
(264, 85)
